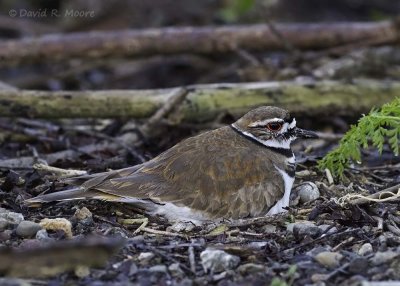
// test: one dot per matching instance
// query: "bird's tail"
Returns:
(68, 195)
(80, 193)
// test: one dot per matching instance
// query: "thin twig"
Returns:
(62, 172)
(162, 232)
(192, 261)
(381, 195)
(178, 96)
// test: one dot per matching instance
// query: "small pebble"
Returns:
(317, 277)
(176, 270)
(27, 228)
(5, 235)
(365, 249)
(82, 271)
(182, 226)
(268, 228)
(83, 214)
(145, 257)
(257, 244)
(302, 229)
(358, 265)
(308, 192)
(42, 235)
(325, 227)
(250, 268)
(216, 260)
(159, 268)
(3, 224)
(290, 226)
(384, 257)
(57, 224)
(329, 259)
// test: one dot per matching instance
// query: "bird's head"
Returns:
(272, 126)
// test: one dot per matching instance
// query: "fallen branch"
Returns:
(203, 40)
(203, 102)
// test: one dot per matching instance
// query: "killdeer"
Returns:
(242, 170)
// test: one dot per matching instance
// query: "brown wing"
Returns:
(215, 172)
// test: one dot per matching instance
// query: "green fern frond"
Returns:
(379, 126)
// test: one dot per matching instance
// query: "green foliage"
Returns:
(379, 126)
(235, 9)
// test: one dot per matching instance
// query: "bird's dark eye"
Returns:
(274, 126)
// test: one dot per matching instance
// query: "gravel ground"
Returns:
(320, 240)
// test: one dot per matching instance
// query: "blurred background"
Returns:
(35, 18)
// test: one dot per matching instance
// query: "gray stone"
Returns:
(182, 226)
(358, 265)
(301, 229)
(306, 223)
(5, 235)
(268, 228)
(308, 192)
(27, 228)
(145, 257)
(176, 270)
(215, 260)
(325, 227)
(329, 259)
(382, 257)
(12, 217)
(3, 224)
(42, 235)
(365, 249)
(159, 268)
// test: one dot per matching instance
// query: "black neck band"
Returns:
(283, 151)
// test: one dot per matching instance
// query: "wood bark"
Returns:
(202, 103)
(201, 40)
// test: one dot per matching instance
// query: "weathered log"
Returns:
(203, 102)
(201, 40)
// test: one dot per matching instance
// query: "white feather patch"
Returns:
(175, 213)
(284, 201)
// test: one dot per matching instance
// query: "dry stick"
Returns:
(161, 232)
(259, 220)
(192, 261)
(62, 172)
(384, 194)
(203, 40)
(178, 96)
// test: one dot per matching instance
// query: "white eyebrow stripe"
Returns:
(265, 122)
(292, 124)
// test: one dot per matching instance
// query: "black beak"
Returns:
(301, 133)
